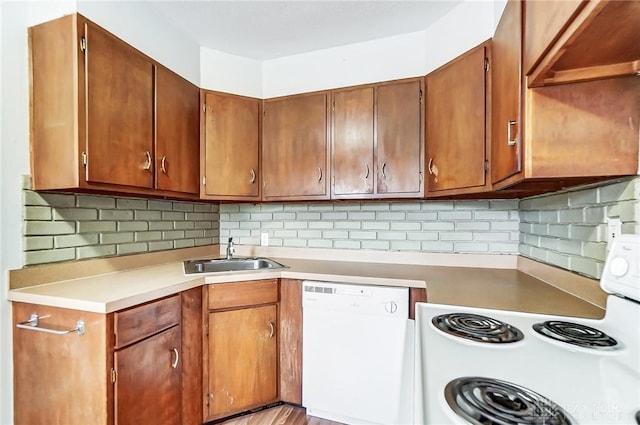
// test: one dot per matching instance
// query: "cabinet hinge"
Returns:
(486, 166)
(204, 107)
(486, 64)
(420, 95)
(84, 159)
(333, 106)
(83, 44)
(204, 181)
(421, 177)
(114, 376)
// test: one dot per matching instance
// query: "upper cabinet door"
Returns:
(506, 130)
(231, 147)
(352, 143)
(119, 95)
(399, 139)
(177, 133)
(456, 122)
(295, 148)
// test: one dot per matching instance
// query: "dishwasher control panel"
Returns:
(366, 299)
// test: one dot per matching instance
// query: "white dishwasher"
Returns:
(357, 353)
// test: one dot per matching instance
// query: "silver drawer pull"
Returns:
(176, 358)
(34, 321)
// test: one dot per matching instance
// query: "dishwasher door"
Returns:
(357, 353)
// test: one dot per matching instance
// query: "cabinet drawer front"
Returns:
(142, 321)
(238, 294)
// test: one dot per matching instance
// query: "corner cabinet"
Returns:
(240, 369)
(105, 117)
(295, 147)
(548, 138)
(377, 141)
(572, 41)
(129, 367)
(458, 122)
(230, 147)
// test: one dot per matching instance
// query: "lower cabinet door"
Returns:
(148, 381)
(242, 359)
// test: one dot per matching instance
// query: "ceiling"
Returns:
(269, 29)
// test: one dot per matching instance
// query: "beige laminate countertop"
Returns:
(506, 289)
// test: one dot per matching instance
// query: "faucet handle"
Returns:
(231, 240)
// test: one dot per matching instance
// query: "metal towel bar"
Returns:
(34, 321)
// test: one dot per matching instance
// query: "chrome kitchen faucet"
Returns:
(230, 249)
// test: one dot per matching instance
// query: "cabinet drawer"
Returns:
(139, 322)
(238, 294)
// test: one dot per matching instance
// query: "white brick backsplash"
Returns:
(74, 214)
(455, 215)
(566, 229)
(68, 241)
(84, 201)
(64, 227)
(182, 206)
(125, 215)
(472, 225)
(576, 241)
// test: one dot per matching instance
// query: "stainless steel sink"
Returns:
(217, 265)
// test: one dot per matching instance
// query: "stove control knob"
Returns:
(619, 267)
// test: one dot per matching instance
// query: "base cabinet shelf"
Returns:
(126, 368)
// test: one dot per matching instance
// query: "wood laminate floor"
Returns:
(279, 415)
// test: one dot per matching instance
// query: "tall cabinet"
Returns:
(105, 117)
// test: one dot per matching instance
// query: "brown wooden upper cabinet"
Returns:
(295, 147)
(377, 141)
(547, 138)
(457, 124)
(105, 117)
(230, 147)
(572, 40)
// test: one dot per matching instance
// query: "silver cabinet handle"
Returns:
(34, 321)
(319, 174)
(147, 165)
(176, 358)
(510, 141)
(272, 329)
(366, 174)
(252, 180)
(429, 169)
(384, 165)
(163, 163)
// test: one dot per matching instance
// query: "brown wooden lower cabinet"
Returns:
(127, 368)
(240, 365)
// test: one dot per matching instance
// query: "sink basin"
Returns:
(217, 265)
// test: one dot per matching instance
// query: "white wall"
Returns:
(139, 24)
(14, 161)
(408, 55)
(231, 74)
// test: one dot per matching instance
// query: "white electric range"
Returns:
(483, 366)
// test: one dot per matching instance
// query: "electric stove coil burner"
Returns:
(476, 327)
(486, 401)
(576, 334)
